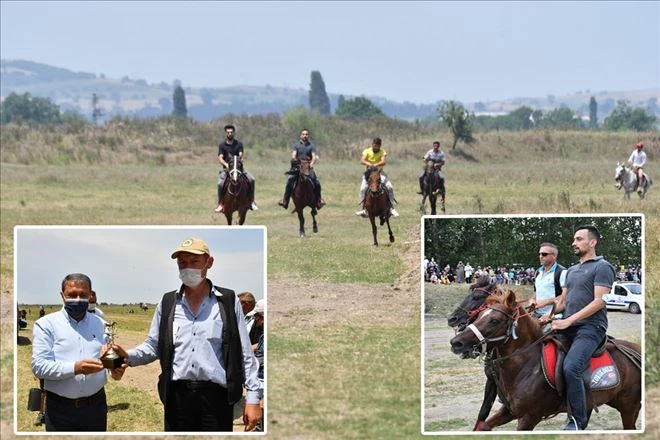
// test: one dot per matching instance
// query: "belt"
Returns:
(82, 402)
(194, 385)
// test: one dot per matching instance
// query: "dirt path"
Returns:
(453, 402)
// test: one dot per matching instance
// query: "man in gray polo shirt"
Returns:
(585, 318)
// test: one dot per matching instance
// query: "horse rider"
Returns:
(304, 149)
(437, 156)
(227, 150)
(375, 156)
(638, 160)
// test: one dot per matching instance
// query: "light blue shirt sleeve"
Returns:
(253, 386)
(58, 342)
(147, 352)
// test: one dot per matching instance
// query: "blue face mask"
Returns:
(76, 307)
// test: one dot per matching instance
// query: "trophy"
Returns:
(111, 359)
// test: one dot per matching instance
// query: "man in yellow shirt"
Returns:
(377, 157)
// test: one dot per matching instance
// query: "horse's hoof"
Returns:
(391, 239)
(315, 229)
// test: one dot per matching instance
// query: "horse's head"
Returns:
(372, 175)
(304, 168)
(494, 326)
(469, 308)
(235, 168)
(619, 171)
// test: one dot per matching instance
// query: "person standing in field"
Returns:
(198, 333)
(92, 306)
(227, 150)
(585, 318)
(638, 160)
(66, 351)
(304, 149)
(375, 156)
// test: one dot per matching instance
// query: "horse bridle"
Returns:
(510, 330)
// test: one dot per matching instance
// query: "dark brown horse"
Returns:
(303, 196)
(466, 312)
(517, 358)
(236, 194)
(377, 203)
(434, 186)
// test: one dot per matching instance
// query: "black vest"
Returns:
(232, 351)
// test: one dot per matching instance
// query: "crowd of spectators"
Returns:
(512, 275)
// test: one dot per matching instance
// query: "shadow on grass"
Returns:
(467, 156)
(118, 407)
(23, 340)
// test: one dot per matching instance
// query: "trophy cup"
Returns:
(111, 359)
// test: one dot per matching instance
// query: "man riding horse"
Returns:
(375, 156)
(227, 150)
(435, 155)
(302, 150)
(638, 160)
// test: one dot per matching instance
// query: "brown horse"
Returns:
(377, 203)
(435, 185)
(303, 196)
(466, 312)
(236, 194)
(516, 360)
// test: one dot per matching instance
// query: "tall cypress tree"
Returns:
(179, 102)
(593, 113)
(318, 98)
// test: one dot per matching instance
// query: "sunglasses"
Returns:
(545, 254)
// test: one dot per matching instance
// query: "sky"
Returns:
(420, 52)
(132, 264)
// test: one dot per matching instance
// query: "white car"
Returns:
(625, 296)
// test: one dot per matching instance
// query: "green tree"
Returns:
(179, 103)
(26, 108)
(562, 118)
(624, 117)
(593, 113)
(458, 120)
(96, 110)
(358, 108)
(318, 98)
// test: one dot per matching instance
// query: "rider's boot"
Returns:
(253, 205)
(284, 203)
(221, 195)
(317, 193)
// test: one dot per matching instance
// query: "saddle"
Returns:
(603, 373)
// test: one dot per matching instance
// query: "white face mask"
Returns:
(191, 277)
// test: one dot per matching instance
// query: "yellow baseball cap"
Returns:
(192, 245)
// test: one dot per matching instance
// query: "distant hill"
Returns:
(131, 96)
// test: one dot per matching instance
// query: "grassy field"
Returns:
(355, 380)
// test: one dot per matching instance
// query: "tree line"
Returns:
(451, 114)
(515, 241)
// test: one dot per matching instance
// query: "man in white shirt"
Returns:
(638, 160)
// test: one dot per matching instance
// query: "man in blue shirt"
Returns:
(585, 318)
(197, 382)
(66, 351)
(545, 283)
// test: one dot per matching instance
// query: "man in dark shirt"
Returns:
(585, 318)
(305, 150)
(226, 151)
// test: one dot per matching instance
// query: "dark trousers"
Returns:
(89, 414)
(197, 406)
(288, 189)
(586, 339)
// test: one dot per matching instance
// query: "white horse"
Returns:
(627, 179)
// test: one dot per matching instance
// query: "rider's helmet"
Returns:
(640, 145)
